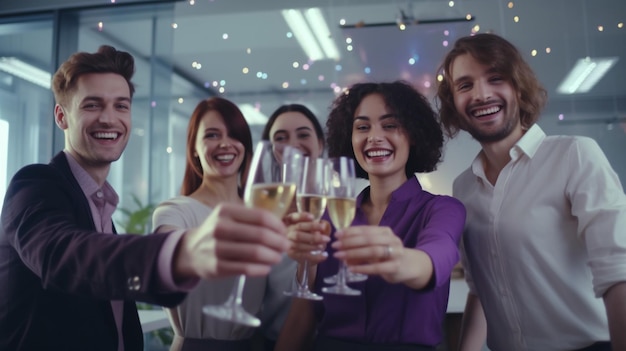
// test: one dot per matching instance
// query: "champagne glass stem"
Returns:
(341, 274)
(303, 282)
(237, 292)
(341, 287)
(232, 310)
(302, 285)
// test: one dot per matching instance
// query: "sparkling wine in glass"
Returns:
(310, 197)
(341, 205)
(271, 185)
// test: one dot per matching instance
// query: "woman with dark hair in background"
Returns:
(219, 149)
(403, 237)
(297, 126)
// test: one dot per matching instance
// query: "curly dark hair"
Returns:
(494, 51)
(412, 110)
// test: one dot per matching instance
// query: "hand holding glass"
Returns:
(310, 197)
(271, 186)
(341, 205)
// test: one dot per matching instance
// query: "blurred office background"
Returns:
(253, 53)
(247, 51)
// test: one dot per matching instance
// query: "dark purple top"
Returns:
(395, 313)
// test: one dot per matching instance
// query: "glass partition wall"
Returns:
(248, 54)
(143, 172)
(26, 122)
(31, 48)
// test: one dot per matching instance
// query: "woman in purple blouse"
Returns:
(403, 237)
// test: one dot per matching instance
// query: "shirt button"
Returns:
(99, 194)
(134, 283)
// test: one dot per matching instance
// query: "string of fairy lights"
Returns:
(220, 85)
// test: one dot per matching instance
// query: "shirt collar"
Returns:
(526, 145)
(88, 185)
(529, 142)
(406, 191)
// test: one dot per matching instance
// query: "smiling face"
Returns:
(485, 100)
(220, 155)
(294, 129)
(96, 121)
(380, 143)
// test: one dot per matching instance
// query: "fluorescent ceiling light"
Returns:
(322, 33)
(26, 71)
(585, 74)
(303, 34)
(306, 32)
(252, 115)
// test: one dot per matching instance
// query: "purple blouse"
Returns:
(394, 313)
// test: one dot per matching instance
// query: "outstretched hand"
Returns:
(233, 240)
(371, 250)
(308, 238)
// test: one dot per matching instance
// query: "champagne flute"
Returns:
(270, 186)
(310, 197)
(341, 205)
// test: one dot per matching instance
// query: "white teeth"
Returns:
(486, 111)
(225, 157)
(378, 153)
(102, 135)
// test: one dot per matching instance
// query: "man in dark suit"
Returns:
(67, 282)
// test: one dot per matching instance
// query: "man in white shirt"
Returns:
(546, 215)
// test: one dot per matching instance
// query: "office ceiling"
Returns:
(568, 29)
(227, 36)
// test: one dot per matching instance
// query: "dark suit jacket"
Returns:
(58, 275)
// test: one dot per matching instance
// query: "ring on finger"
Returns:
(388, 252)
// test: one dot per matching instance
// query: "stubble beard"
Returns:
(493, 136)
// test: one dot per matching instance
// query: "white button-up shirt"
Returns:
(544, 243)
